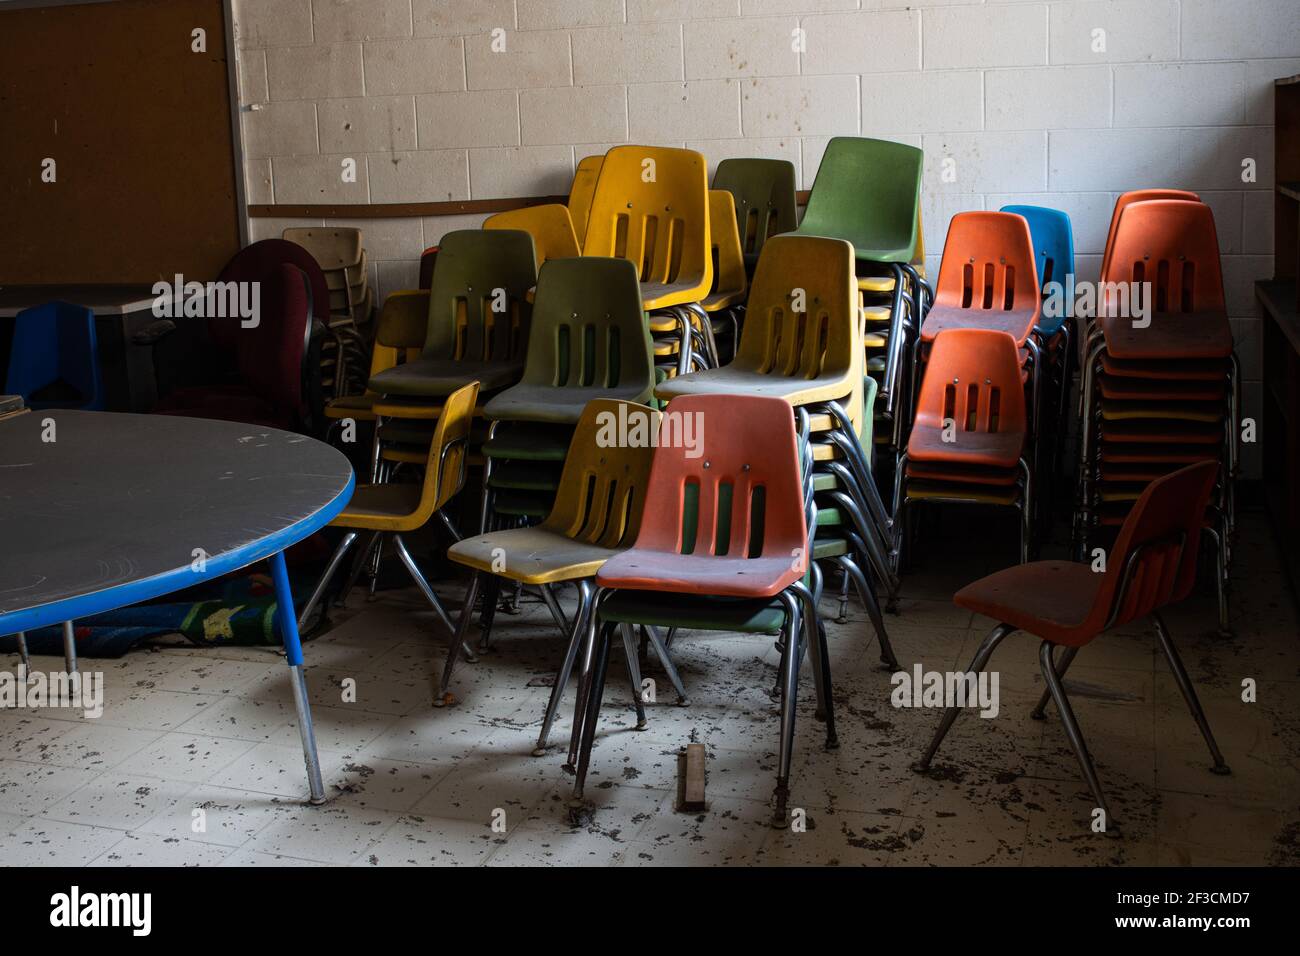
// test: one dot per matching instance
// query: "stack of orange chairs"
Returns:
(1160, 378)
(969, 441)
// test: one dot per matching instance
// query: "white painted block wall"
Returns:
(1063, 103)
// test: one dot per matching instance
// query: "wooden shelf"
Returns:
(1278, 297)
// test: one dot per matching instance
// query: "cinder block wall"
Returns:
(1064, 103)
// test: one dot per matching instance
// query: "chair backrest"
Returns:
(582, 192)
(651, 207)
(549, 225)
(478, 308)
(802, 317)
(764, 194)
(725, 481)
(270, 354)
(988, 263)
(1157, 547)
(400, 330)
(444, 472)
(427, 259)
(867, 191)
(728, 259)
(602, 490)
(1139, 195)
(1173, 245)
(54, 358)
(972, 381)
(255, 263)
(334, 247)
(588, 330)
(1053, 240)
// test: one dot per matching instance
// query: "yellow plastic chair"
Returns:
(582, 192)
(549, 225)
(651, 207)
(388, 511)
(729, 278)
(597, 514)
(399, 337)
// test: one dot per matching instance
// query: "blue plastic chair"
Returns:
(54, 362)
(1053, 252)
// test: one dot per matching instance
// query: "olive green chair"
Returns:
(765, 200)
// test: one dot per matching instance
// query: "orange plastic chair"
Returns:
(988, 279)
(970, 431)
(725, 520)
(1153, 564)
(1134, 196)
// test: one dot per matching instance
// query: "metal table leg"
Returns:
(293, 654)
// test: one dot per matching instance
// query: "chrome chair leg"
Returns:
(1067, 658)
(358, 565)
(1189, 694)
(335, 560)
(576, 635)
(1072, 731)
(458, 640)
(868, 597)
(599, 668)
(661, 649)
(789, 693)
(633, 672)
(977, 665)
(421, 583)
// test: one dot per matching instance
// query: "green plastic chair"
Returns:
(765, 200)
(867, 191)
(589, 340)
(478, 317)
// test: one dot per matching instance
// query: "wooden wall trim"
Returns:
(410, 210)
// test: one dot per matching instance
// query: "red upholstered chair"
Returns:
(1153, 564)
(268, 356)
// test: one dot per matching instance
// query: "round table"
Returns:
(102, 510)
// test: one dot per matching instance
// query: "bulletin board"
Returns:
(139, 127)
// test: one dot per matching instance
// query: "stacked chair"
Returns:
(868, 192)
(764, 197)
(550, 227)
(723, 545)
(968, 443)
(343, 260)
(54, 361)
(1159, 394)
(581, 193)
(727, 297)
(589, 340)
(802, 343)
(1068, 605)
(1053, 239)
(597, 514)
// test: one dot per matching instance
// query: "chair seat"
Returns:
(531, 555)
(965, 474)
(723, 300)
(1017, 322)
(1175, 411)
(1196, 335)
(645, 570)
(352, 406)
(988, 449)
(529, 444)
(1051, 599)
(693, 612)
(875, 283)
(922, 490)
(390, 507)
(1143, 390)
(730, 380)
(561, 406)
(1166, 432)
(1204, 370)
(1175, 454)
(436, 378)
(661, 295)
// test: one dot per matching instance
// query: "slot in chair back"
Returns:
(588, 330)
(1134, 196)
(988, 264)
(549, 225)
(973, 380)
(867, 191)
(604, 483)
(764, 195)
(477, 305)
(582, 192)
(1173, 245)
(1153, 562)
(651, 208)
(737, 493)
